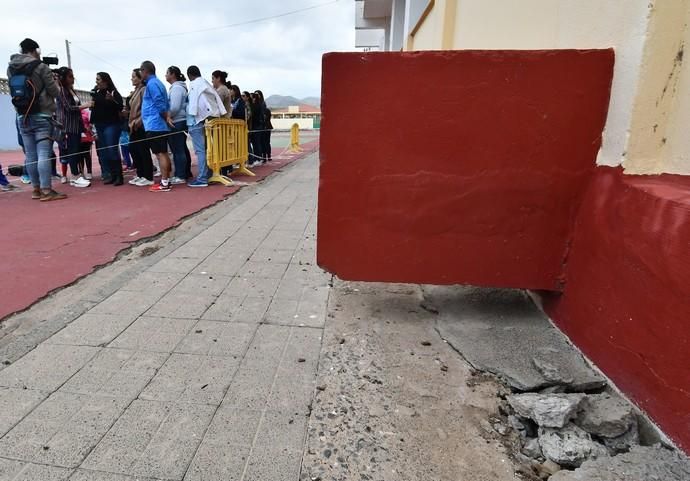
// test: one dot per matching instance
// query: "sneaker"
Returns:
(88, 176)
(160, 188)
(198, 183)
(26, 179)
(81, 182)
(134, 180)
(63, 180)
(52, 195)
(143, 182)
(157, 173)
(177, 181)
(8, 188)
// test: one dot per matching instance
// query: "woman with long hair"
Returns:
(139, 147)
(239, 107)
(256, 130)
(268, 126)
(105, 115)
(219, 79)
(177, 97)
(247, 98)
(69, 115)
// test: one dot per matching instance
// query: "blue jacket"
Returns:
(154, 103)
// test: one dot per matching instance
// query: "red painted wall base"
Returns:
(626, 303)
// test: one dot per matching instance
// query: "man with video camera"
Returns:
(34, 90)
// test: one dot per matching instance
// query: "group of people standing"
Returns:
(157, 121)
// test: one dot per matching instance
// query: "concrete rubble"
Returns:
(569, 446)
(548, 410)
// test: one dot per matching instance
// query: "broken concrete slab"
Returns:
(641, 463)
(532, 449)
(547, 410)
(569, 446)
(501, 331)
(606, 415)
(624, 442)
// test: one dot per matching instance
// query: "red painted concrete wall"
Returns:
(626, 303)
(457, 167)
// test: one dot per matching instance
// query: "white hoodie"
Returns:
(204, 102)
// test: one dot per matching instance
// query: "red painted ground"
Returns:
(48, 245)
(626, 303)
(457, 167)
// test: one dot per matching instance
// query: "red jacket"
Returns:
(87, 132)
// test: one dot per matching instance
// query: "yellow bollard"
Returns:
(294, 139)
(226, 144)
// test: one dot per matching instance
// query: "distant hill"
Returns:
(282, 101)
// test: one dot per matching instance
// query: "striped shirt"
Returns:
(68, 112)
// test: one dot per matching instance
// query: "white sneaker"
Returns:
(157, 173)
(143, 182)
(134, 180)
(63, 180)
(88, 176)
(177, 181)
(81, 182)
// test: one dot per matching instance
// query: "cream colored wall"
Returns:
(659, 140)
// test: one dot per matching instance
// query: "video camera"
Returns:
(50, 60)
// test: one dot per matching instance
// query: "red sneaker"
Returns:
(160, 188)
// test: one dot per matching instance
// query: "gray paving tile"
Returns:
(290, 395)
(252, 287)
(19, 471)
(63, 429)
(250, 388)
(192, 379)
(153, 334)
(273, 464)
(117, 373)
(192, 250)
(85, 475)
(225, 449)
(213, 338)
(46, 367)
(183, 305)
(225, 265)
(152, 439)
(152, 280)
(270, 270)
(127, 303)
(92, 330)
(249, 310)
(275, 256)
(15, 404)
(282, 430)
(267, 347)
(201, 285)
(174, 265)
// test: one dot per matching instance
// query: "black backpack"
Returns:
(23, 91)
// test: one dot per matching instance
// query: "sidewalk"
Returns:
(201, 367)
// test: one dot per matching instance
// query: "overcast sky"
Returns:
(279, 56)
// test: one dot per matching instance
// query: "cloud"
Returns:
(281, 56)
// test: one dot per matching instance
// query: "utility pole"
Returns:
(69, 55)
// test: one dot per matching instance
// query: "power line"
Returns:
(212, 29)
(99, 58)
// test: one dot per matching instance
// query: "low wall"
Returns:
(457, 167)
(627, 298)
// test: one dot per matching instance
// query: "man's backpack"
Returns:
(23, 91)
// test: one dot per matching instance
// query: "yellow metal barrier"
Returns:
(227, 143)
(294, 139)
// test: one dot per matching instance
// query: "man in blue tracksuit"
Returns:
(155, 114)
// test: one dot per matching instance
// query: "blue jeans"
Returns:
(36, 131)
(198, 134)
(177, 143)
(3, 179)
(109, 143)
